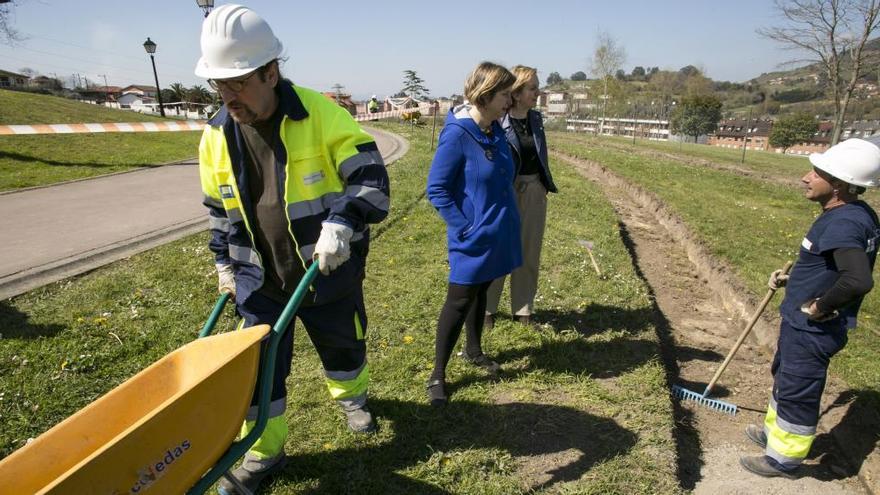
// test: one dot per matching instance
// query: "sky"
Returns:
(366, 46)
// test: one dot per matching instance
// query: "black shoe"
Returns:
(251, 473)
(482, 361)
(756, 434)
(761, 466)
(360, 420)
(488, 322)
(437, 392)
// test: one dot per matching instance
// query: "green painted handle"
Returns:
(264, 385)
(215, 315)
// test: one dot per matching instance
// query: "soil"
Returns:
(700, 310)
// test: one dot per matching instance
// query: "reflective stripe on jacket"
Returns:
(329, 169)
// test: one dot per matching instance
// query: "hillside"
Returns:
(29, 108)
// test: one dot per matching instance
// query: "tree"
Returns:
(27, 71)
(413, 85)
(791, 130)
(553, 79)
(833, 33)
(607, 59)
(578, 76)
(8, 35)
(689, 70)
(620, 75)
(696, 115)
(199, 94)
(178, 91)
(638, 73)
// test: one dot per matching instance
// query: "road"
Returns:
(62, 230)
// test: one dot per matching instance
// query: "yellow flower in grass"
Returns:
(408, 339)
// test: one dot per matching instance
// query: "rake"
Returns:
(715, 404)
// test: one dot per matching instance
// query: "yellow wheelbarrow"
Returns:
(169, 429)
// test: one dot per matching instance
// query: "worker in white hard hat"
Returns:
(288, 177)
(373, 105)
(822, 298)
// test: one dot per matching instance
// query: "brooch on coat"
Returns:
(490, 156)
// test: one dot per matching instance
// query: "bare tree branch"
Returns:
(833, 34)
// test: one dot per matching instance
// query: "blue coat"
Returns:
(471, 185)
(536, 122)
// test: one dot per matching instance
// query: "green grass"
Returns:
(768, 163)
(27, 161)
(29, 108)
(582, 407)
(39, 160)
(754, 225)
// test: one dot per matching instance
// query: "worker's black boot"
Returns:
(760, 465)
(251, 473)
(757, 435)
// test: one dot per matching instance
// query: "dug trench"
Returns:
(700, 309)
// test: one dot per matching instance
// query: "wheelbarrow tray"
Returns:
(157, 432)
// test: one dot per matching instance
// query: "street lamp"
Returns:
(205, 5)
(150, 47)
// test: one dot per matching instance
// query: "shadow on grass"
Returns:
(553, 445)
(16, 325)
(34, 159)
(688, 450)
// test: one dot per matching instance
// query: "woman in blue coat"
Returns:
(471, 185)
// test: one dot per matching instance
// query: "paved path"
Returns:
(55, 232)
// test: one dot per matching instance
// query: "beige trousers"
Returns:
(531, 200)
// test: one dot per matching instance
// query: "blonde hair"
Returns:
(487, 79)
(523, 75)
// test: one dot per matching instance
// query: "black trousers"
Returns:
(465, 306)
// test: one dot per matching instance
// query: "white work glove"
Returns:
(811, 309)
(777, 280)
(332, 248)
(226, 276)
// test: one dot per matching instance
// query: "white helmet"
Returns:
(373, 97)
(854, 161)
(235, 41)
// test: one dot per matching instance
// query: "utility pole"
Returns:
(746, 135)
(105, 81)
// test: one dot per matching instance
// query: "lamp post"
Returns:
(205, 5)
(150, 47)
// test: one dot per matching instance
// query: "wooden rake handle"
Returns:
(745, 333)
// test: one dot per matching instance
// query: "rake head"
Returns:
(718, 405)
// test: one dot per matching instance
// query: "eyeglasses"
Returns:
(234, 85)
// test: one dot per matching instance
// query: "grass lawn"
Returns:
(764, 162)
(17, 107)
(582, 406)
(27, 161)
(38, 160)
(754, 225)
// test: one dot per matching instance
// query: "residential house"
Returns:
(732, 132)
(12, 79)
(101, 94)
(137, 95)
(343, 100)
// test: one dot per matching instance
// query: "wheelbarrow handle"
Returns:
(263, 386)
(215, 315)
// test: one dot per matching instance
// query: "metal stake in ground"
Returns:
(589, 246)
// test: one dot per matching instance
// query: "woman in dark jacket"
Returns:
(525, 133)
(471, 185)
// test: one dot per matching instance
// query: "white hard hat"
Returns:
(854, 161)
(373, 97)
(235, 41)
